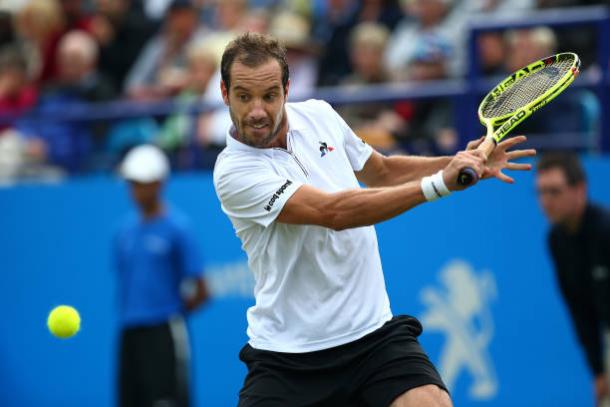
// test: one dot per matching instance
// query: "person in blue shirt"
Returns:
(160, 281)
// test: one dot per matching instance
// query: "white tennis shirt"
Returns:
(315, 288)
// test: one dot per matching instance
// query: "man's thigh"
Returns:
(397, 365)
(424, 396)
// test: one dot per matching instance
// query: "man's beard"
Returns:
(258, 143)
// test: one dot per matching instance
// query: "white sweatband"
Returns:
(433, 187)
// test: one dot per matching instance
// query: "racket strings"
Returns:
(527, 89)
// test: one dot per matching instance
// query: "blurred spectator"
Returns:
(17, 94)
(177, 130)
(429, 130)
(255, 21)
(67, 143)
(160, 282)
(490, 44)
(334, 62)
(40, 25)
(121, 33)
(229, 14)
(492, 53)
(78, 73)
(426, 18)
(293, 31)
(579, 243)
(376, 123)
(367, 44)
(335, 14)
(580, 39)
(160, 69)
(430, 59)
(528, 45)
(574, 113)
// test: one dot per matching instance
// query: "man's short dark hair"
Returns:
(253, 50)
(567, 162)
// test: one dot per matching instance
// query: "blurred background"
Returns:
(83, 81)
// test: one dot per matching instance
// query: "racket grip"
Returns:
(467, 176)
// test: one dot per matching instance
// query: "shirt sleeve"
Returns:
(358, 152)
(252, 191)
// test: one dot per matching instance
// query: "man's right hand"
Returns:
(463, 159)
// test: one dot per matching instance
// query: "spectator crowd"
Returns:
(63, 56)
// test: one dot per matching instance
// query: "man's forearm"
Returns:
(402, 169)
(363, 207)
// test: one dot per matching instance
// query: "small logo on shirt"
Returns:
(325, 148)
(276, 196)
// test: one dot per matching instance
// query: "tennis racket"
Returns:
(517, 97)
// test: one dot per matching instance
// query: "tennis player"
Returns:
(321, 332)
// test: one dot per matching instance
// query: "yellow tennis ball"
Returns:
(63, 321)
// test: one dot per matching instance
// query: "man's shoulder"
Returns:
(234, 160)
(233, 164)
(600, 219)
(309, 107)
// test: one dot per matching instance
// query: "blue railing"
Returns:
(466, 92)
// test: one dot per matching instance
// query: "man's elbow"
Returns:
(338, 222)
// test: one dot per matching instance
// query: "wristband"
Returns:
(433, 187)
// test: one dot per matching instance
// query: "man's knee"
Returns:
(429, 395)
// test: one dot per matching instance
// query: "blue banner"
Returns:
(473, 267)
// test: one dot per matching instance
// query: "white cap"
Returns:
(145, 163)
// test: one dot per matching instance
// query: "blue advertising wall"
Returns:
(473, 267)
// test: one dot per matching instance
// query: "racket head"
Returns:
(527, 90)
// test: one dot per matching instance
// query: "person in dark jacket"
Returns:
(579, 243)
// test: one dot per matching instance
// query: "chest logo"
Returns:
(325, 148)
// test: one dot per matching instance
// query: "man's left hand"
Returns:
(501, 159)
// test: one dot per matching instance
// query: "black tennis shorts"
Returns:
(371, 371)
